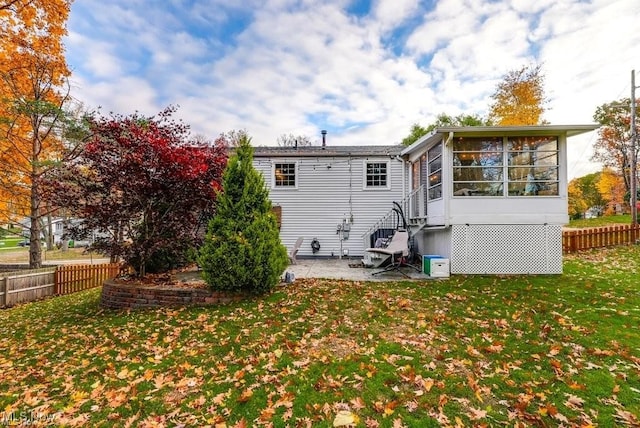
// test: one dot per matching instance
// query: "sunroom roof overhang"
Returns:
(494, 131)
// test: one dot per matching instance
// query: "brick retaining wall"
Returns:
(129, 296)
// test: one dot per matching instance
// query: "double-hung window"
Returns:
(284, 175)
(376, 175)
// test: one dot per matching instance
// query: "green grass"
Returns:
(10, 242)
(468, 351)
(601, 221)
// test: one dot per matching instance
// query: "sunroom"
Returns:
(491, 199)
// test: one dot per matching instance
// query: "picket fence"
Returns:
(32, 284)
(574, 240)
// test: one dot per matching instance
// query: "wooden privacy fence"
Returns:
(26, 285)
(596, 237)
(32, 284)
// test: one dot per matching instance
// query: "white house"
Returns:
(490, 199)
(321, 189)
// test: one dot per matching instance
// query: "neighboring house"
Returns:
(321, 188)
(594, 212)
(493, 199)
(57, 230)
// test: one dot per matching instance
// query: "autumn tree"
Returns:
(33, 92)
(577, 204)
(290, 140)
(612, 188)
(519, 98)
(613, 147)
(589, 188)
(142, 188)
(443, 120)
(242, 250)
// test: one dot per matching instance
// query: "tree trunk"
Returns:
(35, 248)
(64, 240)
(49, 232)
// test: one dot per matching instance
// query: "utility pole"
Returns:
(634, 159)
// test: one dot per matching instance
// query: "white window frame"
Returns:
(435, 172)
(387, 185)
(505, 167)
(273, 175)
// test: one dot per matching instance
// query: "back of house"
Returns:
(331, 195)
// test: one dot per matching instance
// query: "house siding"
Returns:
(330, 189)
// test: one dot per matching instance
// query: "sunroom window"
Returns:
(434, 156)
(511, 166)
(533, 166)
(478, 167)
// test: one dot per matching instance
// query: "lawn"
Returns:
(21, 255)
(601, 221)
(466, 351)
(11, 242)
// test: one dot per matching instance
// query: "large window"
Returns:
(478, 167)
(434, 156)
(376, 175)
(533, 166)
(513, 166)
(284, 175)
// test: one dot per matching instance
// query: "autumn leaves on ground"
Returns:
(467, 351)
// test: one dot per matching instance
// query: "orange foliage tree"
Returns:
(519, 99)
(577, 203)
(613, 147)
(33, 91)
(612, 188)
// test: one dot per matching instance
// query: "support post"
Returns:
(634, 158)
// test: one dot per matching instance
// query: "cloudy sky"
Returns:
(364, 70)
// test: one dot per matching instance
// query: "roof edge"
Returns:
(438, 133)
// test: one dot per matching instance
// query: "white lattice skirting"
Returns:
(506, 249)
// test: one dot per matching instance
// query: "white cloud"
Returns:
(390, 13)
(121, 95)
(301, 66)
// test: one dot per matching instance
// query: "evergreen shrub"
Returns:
(242, 249)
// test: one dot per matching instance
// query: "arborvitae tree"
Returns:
(242, 250)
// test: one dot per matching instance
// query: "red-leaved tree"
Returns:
(143, 189)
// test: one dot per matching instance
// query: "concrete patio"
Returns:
(350, 269)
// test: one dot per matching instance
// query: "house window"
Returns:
(376, 175)
(284, 175)
(511, 166)
(532, 166)
(478, 167)
(434, 156)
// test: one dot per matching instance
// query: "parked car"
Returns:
(26, 243)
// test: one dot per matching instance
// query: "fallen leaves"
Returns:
(325, 353)
(345, 418)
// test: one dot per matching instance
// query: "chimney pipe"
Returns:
(324, 138)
